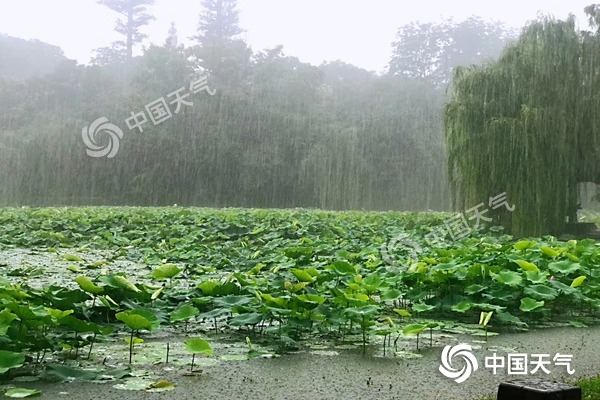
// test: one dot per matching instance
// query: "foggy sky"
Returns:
(355, 31)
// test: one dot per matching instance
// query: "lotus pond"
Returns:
(99, 293)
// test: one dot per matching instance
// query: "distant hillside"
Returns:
(22, 59)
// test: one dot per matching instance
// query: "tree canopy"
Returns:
(432, 50)
(23, 59)
(277, 132)
(528, 125)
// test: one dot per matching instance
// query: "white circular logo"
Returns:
(464, 351)
(89, 138)
(400, 242)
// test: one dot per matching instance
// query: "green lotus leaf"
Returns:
(578, 281)
(198, 346)
(414, 329)
(526, 265)
(390, 295)
(302, 276)
(133, 321)
(564, 267)
(462, 307)
(420, 307)
(528, 304)
(166, 271)
(20, 393)
(10, 360)
(509, 278)
(246, 319)
(541, 292)
(184, 313)
(87, 285)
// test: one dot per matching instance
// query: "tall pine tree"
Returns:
(219, 21)
(218, 51)
(133, 17)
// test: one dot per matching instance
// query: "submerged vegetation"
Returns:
(283, 275)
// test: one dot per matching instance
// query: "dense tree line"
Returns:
(276, 132)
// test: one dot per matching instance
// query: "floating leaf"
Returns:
(134, 384)
(20, 393)
(72, 257)
(135, 341)
(160, 386)
(97, 264)
(65, 373)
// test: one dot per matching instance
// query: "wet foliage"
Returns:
(528, 124)
(284, 276)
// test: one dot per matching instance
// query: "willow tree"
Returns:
(527, 124)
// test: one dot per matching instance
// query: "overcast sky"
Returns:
(359, 32)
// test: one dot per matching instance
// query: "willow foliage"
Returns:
(527, 124)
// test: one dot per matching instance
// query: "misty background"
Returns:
(335, 105)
